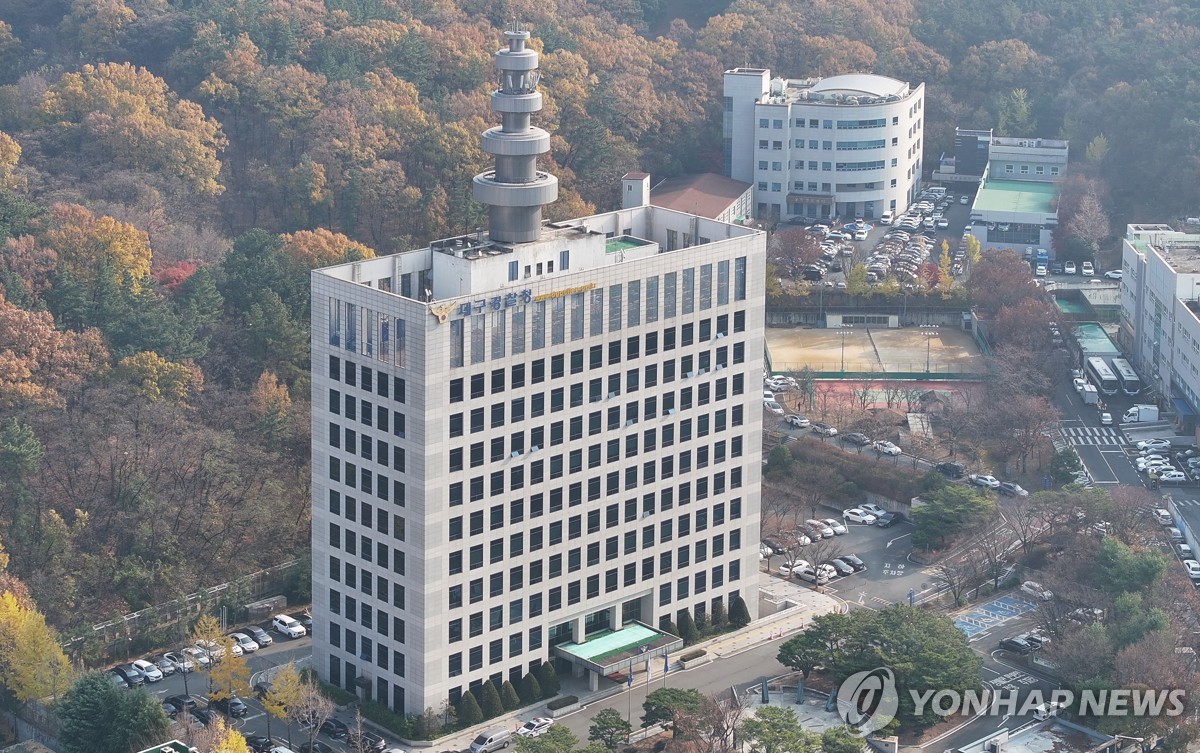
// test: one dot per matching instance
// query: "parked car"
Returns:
(1037, 590)
(884, 447)
(214, 651)
(856, 438)
(149, 671)
(1086, 269)
(950, 469)
(857, 515)
(245, 642)
(133, 677)
(818, 527)
(824, 429)
(1012, 489)
(121, 678)
(196, 657)
(288, 626)
(181, 702)
(1192, 567)
(835, 525)
(853, 561)
(362, 741)
(535, 727)
(203, 717)
(1163, 517)
(260, 636)
(167, 665)
(1154, 444)
(770, 405)
(889, 519)
(316, 746)
(1069, 268)
(1106, 419)
(820, 574)
(800, 422)
(787, 568)
(1113, 274)
(259, 743)
(335, 728)
(1035, 638)
(979, 479)
(1016, 645)
(841, 567)
(234, 706)
(872, 508)
(1172, 477)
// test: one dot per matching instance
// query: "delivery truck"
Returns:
(1140, 413)
(1090, 394)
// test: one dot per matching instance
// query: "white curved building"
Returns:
(843, 146)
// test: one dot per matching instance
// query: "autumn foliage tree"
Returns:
(38, 363)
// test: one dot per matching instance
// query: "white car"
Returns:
(287, 626)
(1079, 383)
(1087, 270)
(1069, 268)
(858, 515)
(1163, 517)
(787, 569)
(149, 670)
(197, 657)
(181, 661)
(1106, 419)
(819, 526)
(214, 651)
(872, 508)
(1192, 567)
(800, 422)
(1037, 590)
(1159, 468)
(990, 482)
(1040, 271)
(883, 447)
(886, 218)
(1154, 444)
(835, 525)
(245, 642)
(774, 407)
(1113, 274)
(943, 223)
(964, 199)
(1173, 476)
(535, 727)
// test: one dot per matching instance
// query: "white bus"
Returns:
(1130, 384)
(1100, 375)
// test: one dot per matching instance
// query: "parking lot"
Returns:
(984, 618)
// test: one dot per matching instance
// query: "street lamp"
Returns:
(930, 331)
(844, 330)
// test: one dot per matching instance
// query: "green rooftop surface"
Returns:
(1094, 341)
(1070, 307)
(622, 243)
(172, 747)
(613, 642)
(1016, 196)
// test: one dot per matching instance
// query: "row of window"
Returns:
(827, 146)
(514, 330)
(366, 413)
(828, 124)
(652, 471)
(349, 679)
(597, 357)
(354, 375)
(367, 332)
(369, 482)
(501, 448)
(367, 448)
(1038, 170)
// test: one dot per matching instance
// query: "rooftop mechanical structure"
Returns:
(515, 190)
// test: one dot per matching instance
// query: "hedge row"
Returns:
(887, 478)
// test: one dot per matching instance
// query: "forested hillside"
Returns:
(171, 169)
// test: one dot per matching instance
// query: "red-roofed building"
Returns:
(704, 194)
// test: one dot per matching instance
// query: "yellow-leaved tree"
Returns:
(32, 664)
(157, 377)
(89, 246)
(285, 693)
(272, 404)
(321, 248)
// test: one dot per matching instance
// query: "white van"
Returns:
(491, 741)
(937, 191)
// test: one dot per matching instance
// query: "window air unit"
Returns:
(516, 453)
(691, 374)
(720, 335)
(534, 449)
(612, 394)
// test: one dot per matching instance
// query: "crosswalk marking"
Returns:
(1187, 503)
(1093, 435)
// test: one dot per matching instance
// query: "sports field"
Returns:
(885, 351)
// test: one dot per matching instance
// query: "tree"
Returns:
(469, 713)
(98, 717)
(687, 628)
(547, 679)
(39, 363)
(285, 691)
(312, 710)
(856, 281)
(841, 740)
(956, 578)
(609, 729)
(490, 703)
(509, 697)
(719, 616)
(778, 460)
(775, 729)
(739, 615)
(1015, 117)
(322, 248)
(1090, 224)
(218, 737)
(557, 739)
(663, 706)
(1120, 569)
(230, 674)
(1064, 465)
(1097, 149)
(947, 511)
(810, 649)
(530, 690)
(32, 663)
(90, 247)
(711, 727)
(272, 406)
(156, 377)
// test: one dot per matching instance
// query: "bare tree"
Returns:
(311, 710)
(991, 553)
(777, 506)
(1090, 224)
(957, 578)
(1030, 519)
(712, 726)
(823, 549)
(1124, 511)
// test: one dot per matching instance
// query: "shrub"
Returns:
(719, 617)
(491, 705)
(668, 627)
(562, 703)
(531, 689)
(693, 654)
(469, 713)
(739, 615)
(404, 726)
(509, 696)
(548, 680)
(687, 628)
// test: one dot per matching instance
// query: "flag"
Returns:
(630, 683)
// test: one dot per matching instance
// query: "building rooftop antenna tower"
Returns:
(515, 191)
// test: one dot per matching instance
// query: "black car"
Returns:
(889, 519)
(130, 675)
(1016, 645)
(170, 709)
(259, 743)
(1037, 640)
(234, 706)
(202, 716)
(335, 728)
(181, 701)
(950, 469)
(853, 561)
(841, 567)
(856, 438)
(262, 688)
(361, 741)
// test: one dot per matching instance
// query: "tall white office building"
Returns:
(534, 444)
(843, 146)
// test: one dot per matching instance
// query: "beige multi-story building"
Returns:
(537, 443)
